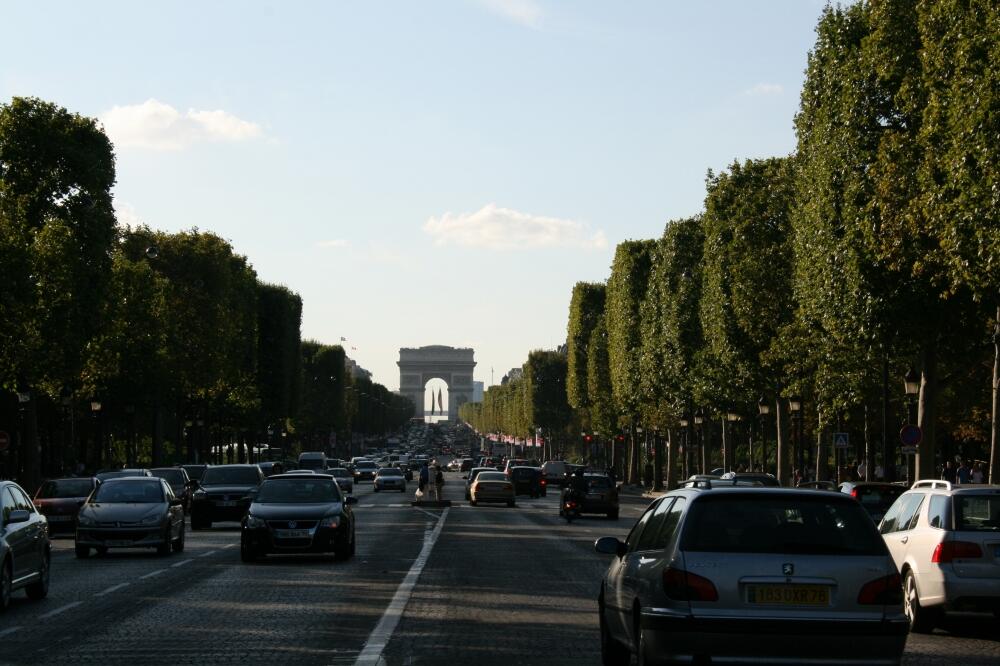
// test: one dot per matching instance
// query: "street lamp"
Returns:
(152, 252)
(685, 453)
(764, 408)
(795, 407)
(911, 384)
(699, 419)
(729, 445)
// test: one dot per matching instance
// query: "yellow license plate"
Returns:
(789, 595)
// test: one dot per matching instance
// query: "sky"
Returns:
(433, 172)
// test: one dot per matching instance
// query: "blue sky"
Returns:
(435, 172)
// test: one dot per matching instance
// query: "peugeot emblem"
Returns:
(292, 524)
(788, 568)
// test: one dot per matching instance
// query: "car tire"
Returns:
(101, 550)
(247, 554)
(164, 548)
(344, 549)
(402, 490)
(82, 552)
(6, 585)
(179, 541)
(613, 515)
(613, 653)
(40, 588)
(921, 619)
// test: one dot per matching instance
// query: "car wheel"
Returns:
(343, 549)
(179, 542)
(402, 490)
(613, 653)
(164, 548)
(101, 550)
(82, 552)
(40, 588)
(613, 515)
(6, 585)
(921, 619)
(247, 554)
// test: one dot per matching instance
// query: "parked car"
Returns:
(105, 474)
(364, 470)
(25, 553)
(601, 496)
(389, 478)
(59, 500)
(344, 479)
(945, 539)
(132, 512)
(707, 569)
(875, 497)
(554, 472)
(224, 493)
(760, 478)
(315, 460)
(179, 482)
(195, 472)
(470, 478)
(492, 487)
(298, 513)
(528, 481)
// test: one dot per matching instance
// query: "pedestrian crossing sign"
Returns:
(841, 440)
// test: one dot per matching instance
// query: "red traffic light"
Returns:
(587, 438)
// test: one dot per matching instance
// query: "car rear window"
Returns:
(781, 524)
(977, 513)
(390, 471)
(129, 492)
(172, 476)
(65, 488)
(491, 476)
(598, 482)
(298, 491)
(365, 464)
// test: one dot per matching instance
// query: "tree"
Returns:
(603, 418)
(56, 233)
(279, 358)
(323, 408)
(586, 309)
(545, 404)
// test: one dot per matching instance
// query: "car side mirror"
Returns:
(350, 500)
(17, 516)
(466, 476)
(609, 546)
(176, 501)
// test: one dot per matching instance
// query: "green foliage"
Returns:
(603, 418)
(545, 403)
(586, 309)
(626, 292)
(279, 318)
(323, 408)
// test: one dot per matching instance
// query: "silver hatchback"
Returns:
(736, 574)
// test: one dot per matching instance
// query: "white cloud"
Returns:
(765, 89)
(525, 12)
(336, 243)
(505, 229)
(154, 125)
(126, 214)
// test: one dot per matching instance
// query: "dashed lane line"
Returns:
(8, 631)
(53, 613)
(151, 574)
(113, 588)
(206, 554)
(371, 655)
(180, 564)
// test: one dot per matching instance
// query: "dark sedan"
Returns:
(24, 546)
(105, 474)
(224, 493)
(527, 481)
(59, 500)
(195, 471)
(365, 470)
(133, 512)
(298, 513)
(601, 496)
(874, 496)
(179, 482)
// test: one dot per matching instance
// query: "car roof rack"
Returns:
(933, 484)
(696, 483)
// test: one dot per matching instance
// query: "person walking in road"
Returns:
(948, 473)
(424, 479)
(438, 482)
(963, 473)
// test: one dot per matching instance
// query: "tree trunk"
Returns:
(821, 462)
(658, 461)
(671, 479)
(726, 445)
(867, 458)
(995, 426)
(157, 453)
(781, 435)
(30, 459)
(926, 414)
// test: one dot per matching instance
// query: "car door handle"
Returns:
(904, 539)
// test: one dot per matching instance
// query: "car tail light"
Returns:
(885, 591)
(947, 551)
(682, 585)
(854, 493)
(542, 482)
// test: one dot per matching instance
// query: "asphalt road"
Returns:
(479, 585)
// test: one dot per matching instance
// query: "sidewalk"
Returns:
(639, 491)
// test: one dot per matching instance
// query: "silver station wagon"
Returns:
(737, 574)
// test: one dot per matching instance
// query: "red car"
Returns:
(59, 500)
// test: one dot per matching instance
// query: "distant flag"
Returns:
(432, 402)
(343, 339)
(440, 404)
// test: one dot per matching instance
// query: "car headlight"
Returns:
(330, 521)
(253, 522)
(151, 520)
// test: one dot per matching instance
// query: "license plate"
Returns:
(226, 503)
(117, 543)
(292, 534)
(789, 595)
(60, 519)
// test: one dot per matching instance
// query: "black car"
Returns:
(365, 470)
(179, 482)
(527, 481)
(24, 546)
(132, 512)
(105, 474)
(298, 513)
(876, 497)
(601, 496)
(224, 493)
(195, 472)
(59, 500)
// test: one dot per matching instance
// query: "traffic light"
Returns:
(587, 438)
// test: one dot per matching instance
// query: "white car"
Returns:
(945, 540)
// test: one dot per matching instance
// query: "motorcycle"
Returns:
(570, 508)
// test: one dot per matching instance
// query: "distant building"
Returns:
(478, 388)
(356, 371)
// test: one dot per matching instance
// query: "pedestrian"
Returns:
(438, 482)
(424, 479)
(862, 470)
(977, 473)
(948, 473)
(963, 473)
(797, 478)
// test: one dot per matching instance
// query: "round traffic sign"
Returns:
(4, 441)
(911, 435)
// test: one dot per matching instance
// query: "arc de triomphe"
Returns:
(422, 364)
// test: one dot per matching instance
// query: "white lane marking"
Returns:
(211, 552)
(151, 574)
(53, 613)
(8, 631)
(180, 564)
(432, 515)
(113, 588)
(379, 638)
(229, 545)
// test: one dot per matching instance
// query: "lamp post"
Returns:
(795, 407)
(95, 411)
(699, 420)
(66, 398)
(911, 386)
(729, 445)
(764, 408)
(685, 423)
